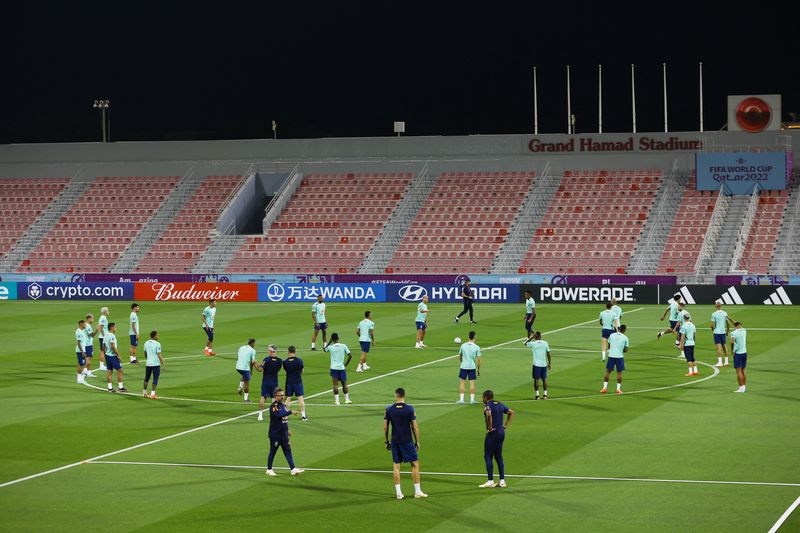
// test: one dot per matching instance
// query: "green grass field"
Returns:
(685, 454)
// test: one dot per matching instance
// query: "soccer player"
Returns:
(682, 314)
(89, 333)
(209, 313)
(245, 361)
(470, 357)
(340, 358)
(101, 330)
(153, 364)
(618, 345)
(134, 332)
(688, 333)
(673, 310)
(720, 329)
(617, 313)
(271, 365)
(422, 321)
(113, 358)
(80, 350)
(493, 412)
(542, 361)
(467, 296)
(739, 349)
(607, 318)
(279, 434)
(293, 366)
(530, 312)
(320, 321)
(403, 420)
(366, 337)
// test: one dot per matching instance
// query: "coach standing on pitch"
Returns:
(466, 294)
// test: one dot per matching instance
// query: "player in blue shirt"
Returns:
(467, 296)
(279, 434)
(293, 366)
(271, 365)
(403, 420)
(493, 412)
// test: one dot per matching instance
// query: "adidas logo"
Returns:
(779, 297)
(731, 297)
(685, 294)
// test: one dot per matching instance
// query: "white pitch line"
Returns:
(168, 437)
(467, 474)
(654, 328)
(775, 527)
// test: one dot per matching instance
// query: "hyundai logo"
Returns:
(34, 291)
(275, 292)
(412, 293)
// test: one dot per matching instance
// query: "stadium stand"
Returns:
(328, 226)
(22, 200)
(100, 224)
(760, 246)
(463, 223)
(593, 222)
(188, 235)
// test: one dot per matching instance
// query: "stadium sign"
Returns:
(331, 292)
(8, 291)
(592, 293)
(223, 292)
(740, 172)
(644, 143)
(74, 291)
(493, 293)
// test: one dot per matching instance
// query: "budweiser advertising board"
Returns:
(185, 291)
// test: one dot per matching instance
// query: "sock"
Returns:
(241, 385)
(619, 386)
(152, 392)
(398, 490)
(472, 398)
(683, 354)
(537, 393)
(417, 343)
(246, 396)
(417, 488)
(133, 358)
(719, 360)
(545, 393)
(346, 396)
(336, 398)
(605, 384)
(303, 414)
(744, 388)
(144, 392)
(110, 387)
(313, 344)
(726, 360)
(604, 354)
(461, 397)
(359, 366)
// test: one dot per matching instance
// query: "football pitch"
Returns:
(672, 453)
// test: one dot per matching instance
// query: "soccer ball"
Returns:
(457, 340)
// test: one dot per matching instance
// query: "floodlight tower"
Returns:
(103, 106)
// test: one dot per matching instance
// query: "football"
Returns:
(457, 340)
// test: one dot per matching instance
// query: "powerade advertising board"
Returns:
(8, 291)
(74, 291)
(498, 294)
(644, 294)
(332, 292)
(739, 172)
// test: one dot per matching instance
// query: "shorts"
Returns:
(268, 388)
(320, 326)
(606, 333)
(134, 341)
(539, 372)
(720, 338)
(102, 345)
(404, 452)
(740, 360)
(467, 374)
(81, 359)
(688, 351)
(340, 375)
(245, 374)
(89, 351)
(365, 346)
(615, 362)
(294, 389)
(529, 320)
(154, 371)
(672, 324)
(209, 333)
(112, 362)
(422, 326)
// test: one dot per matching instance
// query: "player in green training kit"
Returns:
(470, 357)
(530, 312)
(89, 333)
(739, 349)
(113, 359)
(245, 361)
(673, 309)
(422, 322)
(617, 310)
(607, 320)
(133, 332)
(340, 358)
(688, 334)
(682, 314)
(209, 314)
(320, 321)
(618, 344)
(101, 330)
(541, 361)
(720, 329)
(154, 364)
(366, 337)
(80, 350)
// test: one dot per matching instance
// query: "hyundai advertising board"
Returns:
(490, 293)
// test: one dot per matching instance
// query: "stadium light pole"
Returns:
(103, 106)
(701, 96)
(633, 96)
(569, 106)
(599, 98)
(664, 68)
(535, 105)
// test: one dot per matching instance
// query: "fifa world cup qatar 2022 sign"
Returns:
(741, 172)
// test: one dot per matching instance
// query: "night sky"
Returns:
(217, 70)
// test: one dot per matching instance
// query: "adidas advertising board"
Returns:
(731, 294)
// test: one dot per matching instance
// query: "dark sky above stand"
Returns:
(225, 70)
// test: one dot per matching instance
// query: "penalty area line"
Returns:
(465, 474)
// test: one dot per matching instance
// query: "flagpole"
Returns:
(569, 106)
(535, 105)
(664, 67)
(701, 96)
(600, 98)
(633, 97)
